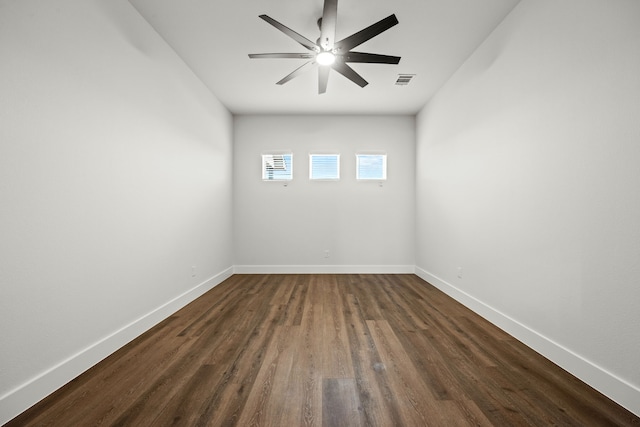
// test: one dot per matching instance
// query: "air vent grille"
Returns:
(404, 79)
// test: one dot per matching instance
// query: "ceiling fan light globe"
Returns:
(325, 58)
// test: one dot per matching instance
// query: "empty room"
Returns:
(324, 213)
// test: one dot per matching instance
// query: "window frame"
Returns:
(263, 171)
(384, 167)
(311, 157)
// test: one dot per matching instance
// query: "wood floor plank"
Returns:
(337, 361)
(295, 305)
(364, 290)
(471, 414)
(281, 405)
(306, 381)
(340, 405)
(237, 378)
(417, 405)
(186, 405)
(283, 289)
(262, 402)
(207, 347)
(376, 399)
(476, 386)
(431, 364)
(127, 381)
(407, 305)
(313, 350)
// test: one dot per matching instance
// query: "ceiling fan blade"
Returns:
(282, 55)
(288, 31)
(349, 73)
(296, 72)
(366, 34)
(328, 24)
(323, 79)
(371, 58)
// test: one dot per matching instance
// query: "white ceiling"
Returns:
(214, 38)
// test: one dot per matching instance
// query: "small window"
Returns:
(371, 167)
(277, 167)
(324, 166)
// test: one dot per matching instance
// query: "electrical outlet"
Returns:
(193, 271)
(326, 253)
(460, 272)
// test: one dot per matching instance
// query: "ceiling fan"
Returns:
(330, 54)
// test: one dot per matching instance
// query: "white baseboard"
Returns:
(617, 389)
(324, 269)
(18, 400)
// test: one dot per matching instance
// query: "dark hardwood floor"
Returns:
(325, 350)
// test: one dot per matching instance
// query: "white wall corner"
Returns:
(618, 390)
(23, 397)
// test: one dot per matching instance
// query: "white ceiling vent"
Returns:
(404, 79)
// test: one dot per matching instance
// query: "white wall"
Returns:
(364, 226)
(115, 179)
(528, 178)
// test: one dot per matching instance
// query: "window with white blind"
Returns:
(371, 167)
(277, 167)
(324, 167)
